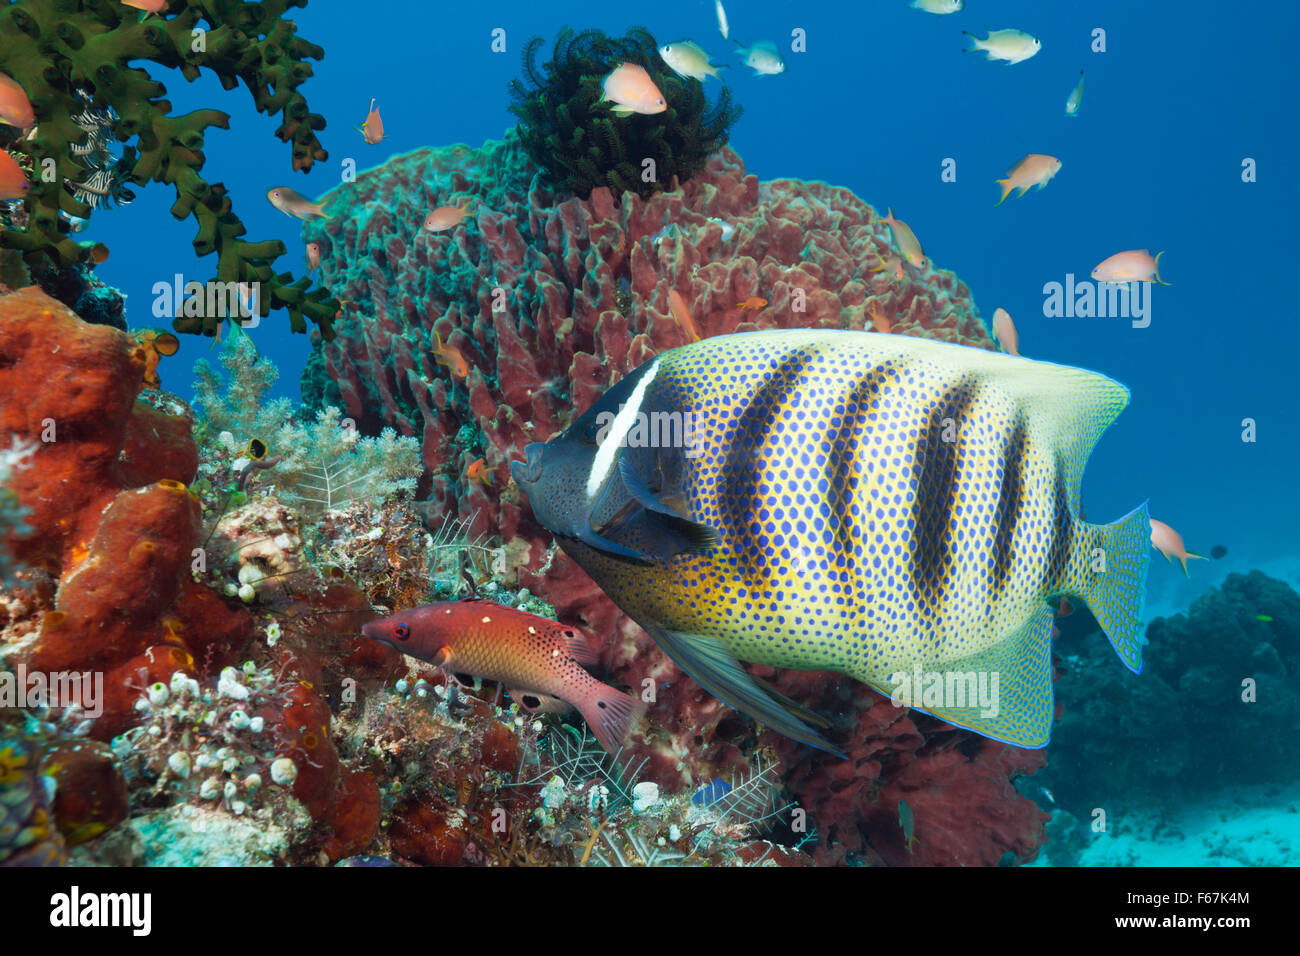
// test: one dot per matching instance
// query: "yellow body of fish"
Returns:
(882, 504)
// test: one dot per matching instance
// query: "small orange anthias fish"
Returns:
(1135, 265)
(524, 652)
(13, 181)
(908, 245)
(479, 471)
(450, 356)
(293, 203)
(372, 130)
(879, 322)
(445, 217)
(15, 107)
(313, 257)
(1065, 608)
(1006, 332)
(631, 90)
(1170, 543)
(753, 302)
(148, 6)
(683, 315)
(893, 266)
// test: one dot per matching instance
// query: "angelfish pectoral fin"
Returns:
(588, 536)
(709, 663)
(679, 532)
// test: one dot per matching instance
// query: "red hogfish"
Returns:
(527, 653)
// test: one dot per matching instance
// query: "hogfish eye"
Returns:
(402, 632)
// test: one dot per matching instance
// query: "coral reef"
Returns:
(116, 581)
(328, 465)
(1216, 684)
(233, 399)
(12, 526)
(580, 145)
(28, 834)
(552, 300)
(959, 786)
(463, 782)
(318, 466)
(75, 285)
(77, 64)
(186, 835)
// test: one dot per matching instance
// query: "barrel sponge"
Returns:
(75, 58)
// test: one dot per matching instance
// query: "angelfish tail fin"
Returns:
(1116, 593)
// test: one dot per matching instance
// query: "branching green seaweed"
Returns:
(74, 59)
(580, 144)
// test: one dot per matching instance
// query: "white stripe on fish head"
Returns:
(618, 429)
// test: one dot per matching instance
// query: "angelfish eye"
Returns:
(402, 632)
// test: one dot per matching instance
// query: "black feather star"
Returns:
(580, 144)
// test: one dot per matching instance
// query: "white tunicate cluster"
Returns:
(554, 793)
(284, 771)
(183, 684)
(200, 742)
(644, 796)
(598, 798)
(230, 684)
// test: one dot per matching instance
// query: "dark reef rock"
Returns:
(1187, 724)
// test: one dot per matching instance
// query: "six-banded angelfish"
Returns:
(891, 508)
